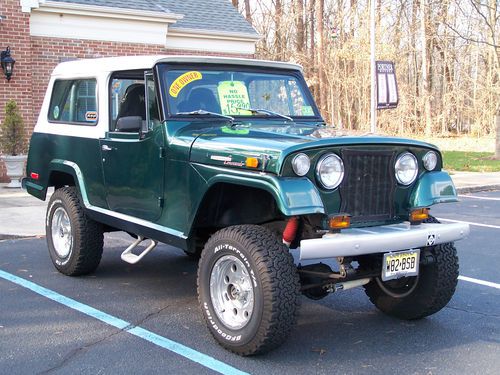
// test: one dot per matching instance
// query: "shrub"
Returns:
(12, 140)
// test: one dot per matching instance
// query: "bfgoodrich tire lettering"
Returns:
(84, 236)
(275, 285)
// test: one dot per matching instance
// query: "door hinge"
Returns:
(161, 201)
(163, 152)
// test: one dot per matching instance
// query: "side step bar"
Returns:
(129, 257)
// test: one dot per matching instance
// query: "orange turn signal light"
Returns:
(419, 214)
(339, 222)
(252, 162)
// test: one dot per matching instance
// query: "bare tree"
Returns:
(446, 55)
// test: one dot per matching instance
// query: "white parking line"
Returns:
(15, 195)
(476, 197)
(163, 342)
(480, 282)
(470, 223)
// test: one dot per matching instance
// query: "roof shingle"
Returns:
(210, 15)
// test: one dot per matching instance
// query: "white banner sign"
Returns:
(387, 87)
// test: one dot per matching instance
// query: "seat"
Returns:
(134, 102)
(200, 98)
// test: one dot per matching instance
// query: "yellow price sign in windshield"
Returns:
(233, 95)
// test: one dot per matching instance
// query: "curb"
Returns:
(6, 237)
(14, 194)
(476, 189)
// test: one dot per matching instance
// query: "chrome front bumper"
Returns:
(382, 239)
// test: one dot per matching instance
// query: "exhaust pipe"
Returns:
(351, 284)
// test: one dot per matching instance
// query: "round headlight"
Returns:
(406, 168)
(301, 164)
(430, 160)
(330, 171)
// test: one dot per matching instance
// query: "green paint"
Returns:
(159, 179)
(228, 130)
(294, 196)
(433, 188)
(134, 173)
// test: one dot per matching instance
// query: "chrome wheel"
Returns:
(62, 237)
(231, 292)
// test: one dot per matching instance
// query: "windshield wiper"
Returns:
(202, 112)
(266, 112)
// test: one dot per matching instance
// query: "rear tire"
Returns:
(248, 289)
(75, 241)
(434, 287)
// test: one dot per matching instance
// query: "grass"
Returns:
(465, 161)
(463, 143)
(475, 155)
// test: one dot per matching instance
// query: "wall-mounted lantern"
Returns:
(7, 63)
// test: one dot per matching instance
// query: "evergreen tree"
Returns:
(12, 136)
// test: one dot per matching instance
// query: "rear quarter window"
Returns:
(74, 102)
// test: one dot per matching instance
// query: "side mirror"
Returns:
(129, 124)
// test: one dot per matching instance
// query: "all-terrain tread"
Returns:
(280, 285)
(88, 234)
(436, 286)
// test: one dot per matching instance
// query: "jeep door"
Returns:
(131, 152)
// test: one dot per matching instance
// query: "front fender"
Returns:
(433, 188)
(293, 195)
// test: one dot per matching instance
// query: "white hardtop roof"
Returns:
(91, 67)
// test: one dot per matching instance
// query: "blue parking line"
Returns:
(163, 342)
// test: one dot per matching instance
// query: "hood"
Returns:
(270, 145)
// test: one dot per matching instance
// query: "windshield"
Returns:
(237, 93)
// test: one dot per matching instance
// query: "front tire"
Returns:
(75, 241)
(248, 289)
(417, 297)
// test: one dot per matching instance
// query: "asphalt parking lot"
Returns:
(145, 318)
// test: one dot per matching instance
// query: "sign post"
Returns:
(373, 111)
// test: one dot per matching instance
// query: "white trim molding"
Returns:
(27, 5)
(90, 22)
(211, 41)
(215, 34)
(78, 26)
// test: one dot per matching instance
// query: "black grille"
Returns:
(367, 191)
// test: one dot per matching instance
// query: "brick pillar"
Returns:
(15, 33)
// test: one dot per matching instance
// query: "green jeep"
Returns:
(225, 159)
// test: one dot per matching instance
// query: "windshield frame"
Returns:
(163, 68)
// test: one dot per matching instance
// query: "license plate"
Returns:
(400, 264)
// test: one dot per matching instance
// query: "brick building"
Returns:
(42, 33)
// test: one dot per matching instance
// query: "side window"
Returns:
(127, 99)
(74, 101)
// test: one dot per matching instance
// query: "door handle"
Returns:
(107, 148)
